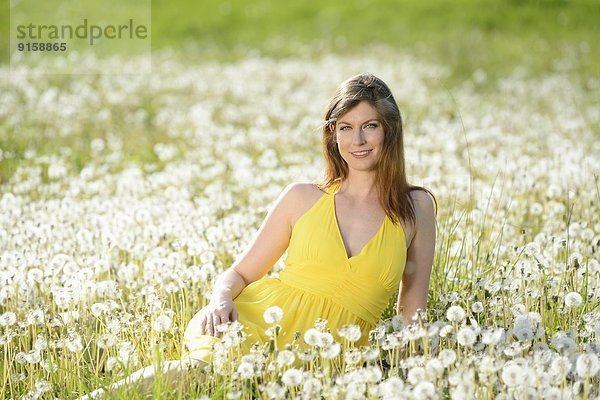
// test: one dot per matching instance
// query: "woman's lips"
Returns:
(361, 154)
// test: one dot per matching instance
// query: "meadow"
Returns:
(123, 197)
(94, 255)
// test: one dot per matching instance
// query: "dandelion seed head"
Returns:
(350, 332)
(466, 336)
(285, 358)
(8, 318)
(246, 370)
(512, 375)
(370, 354)
(324, 339)
(273, 315)
(493, 336)
(106, 341)
(352, 356)
(477, 307)
(391, 387)
(587, 365)
(455, 314)
(446, 331)
(312, 387)
(292, 377)
(424, 390)
(573, 300)
(416, 375)
(447, 357)
(162, 323)
(330, 351)
(563, 343)
(33, 357)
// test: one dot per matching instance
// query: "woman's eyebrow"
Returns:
(367, 121)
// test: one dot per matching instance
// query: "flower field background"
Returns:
(123, 197)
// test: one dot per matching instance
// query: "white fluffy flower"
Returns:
(8, 318)
(331, 351)
(35, 317)
(522, 329)
(492, 336)
(560, 366)
(98, 308)
(127, 353)
(106, 341)
(292, 377)
(563, 344)
(536, 209)
(162, 323)
(573, 300)
(447, 357)
(446, 330)
(434, 368)
(285, 358)
(312, 336)
(33, 357)
(350, 332)
(425, 390)
(523, 333)
(273, 315)
(455, 314)
(352, 356)
(587, 365)
(477, 307)
(416, 375)
(74, 345)
(246, 370)
(325, 339)
(512, 374)
(466, 336)
(312, 388)
(391, 387)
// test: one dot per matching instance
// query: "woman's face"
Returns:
(357, 131)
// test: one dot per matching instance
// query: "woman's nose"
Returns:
(358, 137)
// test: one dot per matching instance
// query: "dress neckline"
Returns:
(339, 232)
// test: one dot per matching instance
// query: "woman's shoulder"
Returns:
(425, 208)
(306, 189)
(423, 201)
(304, 195)
(304, 192)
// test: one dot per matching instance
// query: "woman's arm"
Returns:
(268, 245)
(415, 280)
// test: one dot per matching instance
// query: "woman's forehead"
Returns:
(363, 111)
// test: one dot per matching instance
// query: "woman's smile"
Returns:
(361, 154)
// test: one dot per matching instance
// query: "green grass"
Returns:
(464, 34)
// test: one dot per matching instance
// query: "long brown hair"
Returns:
(390, 176)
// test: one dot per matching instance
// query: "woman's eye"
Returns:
(344, 128)
(372, 126)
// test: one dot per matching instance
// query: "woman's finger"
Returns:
(209, 325)
(234, 315)
(216, 321)
(203, 326)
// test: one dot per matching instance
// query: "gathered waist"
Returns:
(339, 289)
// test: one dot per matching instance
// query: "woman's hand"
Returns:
(215, 314)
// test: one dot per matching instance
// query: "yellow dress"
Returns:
(318, 281)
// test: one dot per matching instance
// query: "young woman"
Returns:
(352, 239)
